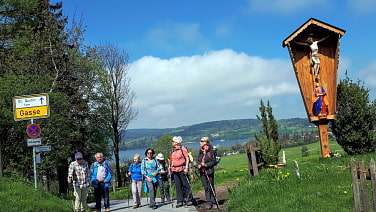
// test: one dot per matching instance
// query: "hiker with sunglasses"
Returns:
(79, 175)
(206, 161)
(150, 169)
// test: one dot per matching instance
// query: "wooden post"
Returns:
(254, 162)
(324, 140)
(251, 159)
(354, 175)
(363, 181)
(372, 168)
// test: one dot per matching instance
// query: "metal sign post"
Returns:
(35, 169)
(32, 107)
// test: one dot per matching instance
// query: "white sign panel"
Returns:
(34, 142)
(42, 148)
(37, 158)
(31, 107)
(31, 101)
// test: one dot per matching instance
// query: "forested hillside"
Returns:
(216, 130)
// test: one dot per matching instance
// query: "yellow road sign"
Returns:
(33, 106)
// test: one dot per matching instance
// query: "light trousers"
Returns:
(136, 191)
(81, 198)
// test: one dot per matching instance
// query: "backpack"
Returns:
(189, 154)
(217, 158)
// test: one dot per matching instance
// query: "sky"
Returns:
(199, 61)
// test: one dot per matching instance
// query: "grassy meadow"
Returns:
(324, 185)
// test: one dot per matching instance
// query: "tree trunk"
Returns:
(62, 174)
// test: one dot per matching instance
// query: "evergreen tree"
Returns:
(355, 119)
(268, 138)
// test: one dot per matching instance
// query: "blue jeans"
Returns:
(99, 192)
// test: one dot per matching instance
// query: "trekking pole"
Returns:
(130, 188)
(211, 187)
(189, 184)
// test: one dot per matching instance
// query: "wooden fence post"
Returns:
(373, 179)
(251, 159)
(254, 162)
(354, 175)
(363, 181)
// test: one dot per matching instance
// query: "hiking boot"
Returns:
(155, 206)
(135, 206)
(208, 207)
(179, 204)
(214, 207)
(107, 210)
(189, 203)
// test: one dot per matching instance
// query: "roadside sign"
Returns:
(42, 148)
(33, 130)
(33, 106)
(34, 141)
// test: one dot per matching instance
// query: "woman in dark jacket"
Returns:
(206, 161)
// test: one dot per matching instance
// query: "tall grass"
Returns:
(324, 185)
(18, 194)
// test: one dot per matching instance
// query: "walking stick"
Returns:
(130, 188)
(211, 187)
(189, 184)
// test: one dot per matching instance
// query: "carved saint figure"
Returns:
(314, 54)
(320, 105)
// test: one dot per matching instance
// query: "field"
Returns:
(324, 184)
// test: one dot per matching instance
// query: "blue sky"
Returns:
(197, 61)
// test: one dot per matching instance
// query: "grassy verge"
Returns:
(324, 185)
(18, 194)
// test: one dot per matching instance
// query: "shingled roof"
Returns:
(306, 28)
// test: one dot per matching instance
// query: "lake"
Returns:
(128, 154)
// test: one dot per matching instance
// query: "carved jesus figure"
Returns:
(314, 54)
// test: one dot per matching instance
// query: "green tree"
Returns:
(117, 95)
(163, 145)
(305, 152)
(39, 54)
(268, 138)
(355, 118)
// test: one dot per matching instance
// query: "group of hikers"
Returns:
(148, 175)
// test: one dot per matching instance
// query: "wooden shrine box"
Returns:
(328, 53)
(300, 47)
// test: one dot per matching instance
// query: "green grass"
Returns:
(18, 194)
(324, 184)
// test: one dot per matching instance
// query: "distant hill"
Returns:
(216, 130)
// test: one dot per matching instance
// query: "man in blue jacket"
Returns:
(101, 174)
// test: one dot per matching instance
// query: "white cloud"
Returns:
(286, 6)
(168, 35)
(217, 85)
(362, 6)
(369, 75)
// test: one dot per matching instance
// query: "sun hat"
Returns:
(177, 139)
(159, 156)
(78, 155)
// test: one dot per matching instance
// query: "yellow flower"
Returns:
(345, 192)
(241, 170)
(339, 186)
(237, 179)
(280, 172)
